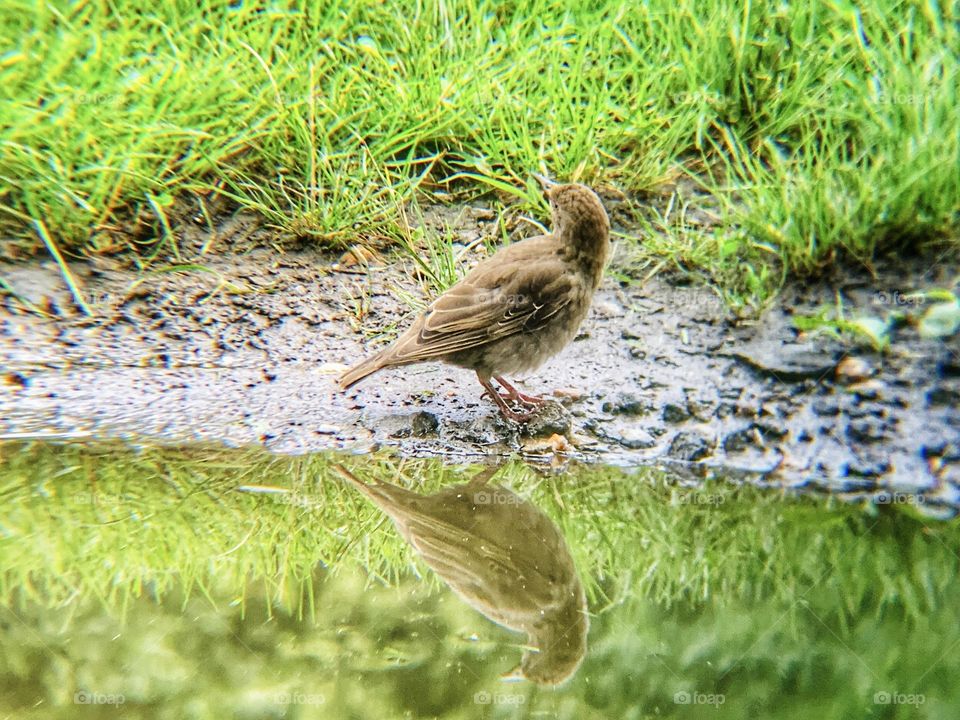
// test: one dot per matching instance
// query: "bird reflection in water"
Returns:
(504, 557)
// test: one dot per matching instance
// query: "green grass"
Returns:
(149, 573)
(821, 130)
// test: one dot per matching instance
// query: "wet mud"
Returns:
(245, 347)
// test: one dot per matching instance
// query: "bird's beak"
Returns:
(545, 182)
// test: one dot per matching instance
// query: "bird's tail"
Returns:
(360, 371)
(388, 497)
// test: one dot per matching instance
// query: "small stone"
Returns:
(949, 366)
(357, 255)
(944, 394)
(634, 438)
(825, 407)
(673, 413)
(702, 409)
(740, 440)
(567, 394)
(868, 389)
(608, 309)
(866, 430)
(689, 446)
(418, 424)
(865, 468)
(423, 424)
(725, 410)
(748, 404)
(551, 419)
(852, 370)
(555, 444)
(627, 404)
(861, 410)
(485, 430)
(772, 428)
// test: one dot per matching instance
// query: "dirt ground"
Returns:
(661, 372)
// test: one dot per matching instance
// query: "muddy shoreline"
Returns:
(247, 351)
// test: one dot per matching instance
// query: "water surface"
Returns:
(201, 582)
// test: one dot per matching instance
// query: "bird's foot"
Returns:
(514, 395)
(517, 417)
(503, 403)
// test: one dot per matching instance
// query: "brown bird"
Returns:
(504, 557)
(515, 309)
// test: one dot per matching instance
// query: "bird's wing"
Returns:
(487, 306)
(481, 568)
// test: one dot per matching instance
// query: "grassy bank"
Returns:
(815, 129)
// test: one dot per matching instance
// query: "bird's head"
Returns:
(559, 644)
(579, 218)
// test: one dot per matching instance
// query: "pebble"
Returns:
(825, 407)
(627, 404)
(552, 419)
(865, 468)
(424, 423)
(866, 430)
(868, 389)
(673, 413)
(690, 446)
(635, 438)
(853, 370)
(773, 428)
(944, 394)
(740, 440)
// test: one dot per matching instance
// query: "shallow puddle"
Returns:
(196, 582)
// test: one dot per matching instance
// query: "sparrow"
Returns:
(515, 309)
(502, 555)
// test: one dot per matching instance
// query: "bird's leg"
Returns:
(514, 394)
(505, 409)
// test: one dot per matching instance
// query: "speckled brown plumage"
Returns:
(515, 309)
